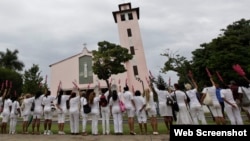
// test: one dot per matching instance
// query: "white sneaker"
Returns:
(45, 132)
(49, 132)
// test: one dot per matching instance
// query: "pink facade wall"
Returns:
(67, 71)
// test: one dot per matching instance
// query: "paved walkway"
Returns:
(21, 137)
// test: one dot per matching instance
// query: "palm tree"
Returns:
(9, 60)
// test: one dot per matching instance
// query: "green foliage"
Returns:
(109, 59)
(32, 80)
(176, 63)
(12, 76)
(10, 60)
(160, 81)
(231, 47)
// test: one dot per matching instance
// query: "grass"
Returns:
(161, 127)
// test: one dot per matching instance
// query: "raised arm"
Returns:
(194, 83)
(212, 81)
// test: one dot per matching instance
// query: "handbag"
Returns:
(148, 107)
(169, 101)
(208, 100)
(122, 106)
(175, 105)
(86, 109)
(32, 108)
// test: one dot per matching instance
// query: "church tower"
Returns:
(130, 37)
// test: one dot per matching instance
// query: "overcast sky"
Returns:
(47, 31)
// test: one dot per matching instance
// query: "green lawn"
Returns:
(161, 127)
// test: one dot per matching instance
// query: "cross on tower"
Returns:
(85, 45)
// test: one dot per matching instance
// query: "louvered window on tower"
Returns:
(135, 70)
(130, 16)
(129, 32)
(132, 50)
(122, 17)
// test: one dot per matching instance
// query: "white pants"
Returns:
(117, 118)
(74, 122)
(61, 117)
(48, 115)
(234, 115)
(84, 121)
(13, 122)
(94, 124)
(105, 111)
(197, 114)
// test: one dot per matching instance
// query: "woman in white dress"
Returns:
(26, 111)
(116, 113)
(94, 104)
(15, 112)
(130, 108)
(47, 102)
(196, 110)
(183, 115)
(149, 97)
(165, 110)
(85, 116)
(105, 111)
(215, 107)
(74, 112)
(61, 110)
(231, 108)
(140, 104)
(38, 112)
(7, 103)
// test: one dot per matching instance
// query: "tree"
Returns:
(109, 59)
(10, 60)
(229, 48)
(14, 78)
(32, 80)
(176, 63)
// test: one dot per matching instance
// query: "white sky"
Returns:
(47, 31)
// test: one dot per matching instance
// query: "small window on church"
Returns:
(135, 70)
(130, 16)
(132, 50)
(122, 17)
(129, 32)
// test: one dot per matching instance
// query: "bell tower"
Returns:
(130, 37)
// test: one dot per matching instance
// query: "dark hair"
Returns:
(38, 94)
(137, 93)
(161, 87)
(59, 97)
(177, 86)
(73, 94)
(104, 90)
(48, 93)
(114, 95)
(91, 97)
(224, 86)
(126, 88)
(13, 98)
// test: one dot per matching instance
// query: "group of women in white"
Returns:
(191, 107)
(40, 106)
(138, 104)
